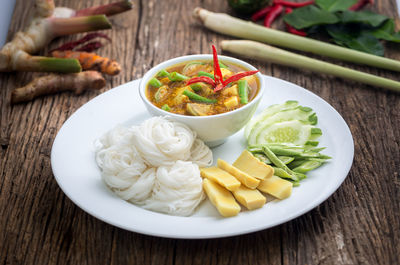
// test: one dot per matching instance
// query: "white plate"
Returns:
(74, 167)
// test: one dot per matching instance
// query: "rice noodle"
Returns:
(162, 142)
(177, 189)
(201, 154)
(155, 165)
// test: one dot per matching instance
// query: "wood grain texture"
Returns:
(358, 224)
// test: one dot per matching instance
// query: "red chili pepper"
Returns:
(204, 79)
(360, 4)
(261, 13)
(291, 29)
(217, 70)
(272, 15)
(238, 76)
(292, 4)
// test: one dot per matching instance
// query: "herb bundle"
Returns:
(360, 30)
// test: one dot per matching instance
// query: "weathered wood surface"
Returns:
(358, 224)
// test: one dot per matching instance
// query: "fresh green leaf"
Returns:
(308, 16)
(386, 32)
(335, 5)
(355, 38)
(365, 17)
(342, 33)
(367, 43)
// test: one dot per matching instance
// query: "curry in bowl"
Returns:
(202, 88)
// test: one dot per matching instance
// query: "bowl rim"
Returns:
(151, 73)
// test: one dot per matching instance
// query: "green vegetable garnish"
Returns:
(155, 82)
(195, 97)
(166, 107)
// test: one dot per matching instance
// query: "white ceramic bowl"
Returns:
(214, 129)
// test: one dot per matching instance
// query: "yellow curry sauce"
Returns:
(171, 96)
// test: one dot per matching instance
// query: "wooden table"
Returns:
(358, 224)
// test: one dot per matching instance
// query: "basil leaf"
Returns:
(308, 16)
(366, 17)
(386, 32)
(335, 5)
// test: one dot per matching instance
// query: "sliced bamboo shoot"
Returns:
(221, 177)
(247, 163)
(221, 198)
(276, 187)
(243, 177)
(249, 198)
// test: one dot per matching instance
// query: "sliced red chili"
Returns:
(217, 70)
(261, 13)
(360, 4)
(204, 79)
(272, 15)
(292, 4)
(291, 29)
(238, 76)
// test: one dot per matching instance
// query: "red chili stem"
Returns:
(292, 4)
(217, 70)
(360, 4)
(71, 45)
(261, 13)
(272, 15)
(291, 29)
(204, 79)
(218, 87)
(238, 76)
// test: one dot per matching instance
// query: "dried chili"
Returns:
(73, 44)
(272, 15)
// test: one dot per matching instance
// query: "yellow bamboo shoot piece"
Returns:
(251, 199)
(276, 187)
(244, 178)
(221, 177)
(221, 198)
(249, 164)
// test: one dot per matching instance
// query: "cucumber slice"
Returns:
(271, 110)
(293, 131)
(297, 113)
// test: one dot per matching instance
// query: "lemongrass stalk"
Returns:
(67, 26)
(228, 25)
(108, 9)
(256, 50)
